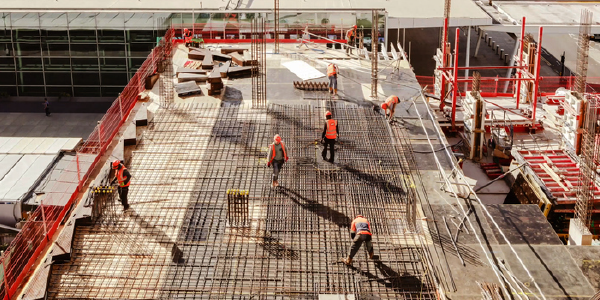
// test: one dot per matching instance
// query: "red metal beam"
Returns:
(455, 73)
(537, 75)
(520, 61)
(483, 68)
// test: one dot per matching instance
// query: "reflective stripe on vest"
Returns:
(331, 70)
(331, 132)
(282, 149)
(121, 179)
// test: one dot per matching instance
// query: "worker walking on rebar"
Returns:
(350, 39)
(277, 157)
(331, 132)
(390, 106)
(123, 176)
(360, 232)
(332, 73)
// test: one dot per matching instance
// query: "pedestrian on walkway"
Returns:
(330, 134)
(360, 232)
(332, 73)
(47, 107)
(277, 157)
(123, 176)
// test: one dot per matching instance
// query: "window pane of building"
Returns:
(27, 35)
(83, 50)
(87, 91)
(108, 91)
(56, 50)
(83, 36)
(55, 36)
(111, 36)
(85, 64)
(37, 91)
(86, 78)
(57, 64)
(141, 36)
(29, 64)
(114, 79)
(30, 78)
(28, 49)
(135, 63)
(58, 78)
(7, 63)
(59, 91)
(113, 64)
(114, 50)
(140, 49)
(8, 78)
(6, 91)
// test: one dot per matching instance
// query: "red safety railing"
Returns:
(24, 250)
(491, 87)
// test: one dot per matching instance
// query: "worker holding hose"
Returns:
(123, 177)
(390, 106)
(360, 232)
(277, 157)
(330, 134)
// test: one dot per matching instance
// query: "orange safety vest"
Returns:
(121, 179)
(331, 70)
(392, 100)
(361, 225)
(331, 132)
(350, 33)
(282, 148)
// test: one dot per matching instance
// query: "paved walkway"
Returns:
(56, 125)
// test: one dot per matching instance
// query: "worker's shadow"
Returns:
(317, 208)
(160, 237)
(405, 283)
(380, 183)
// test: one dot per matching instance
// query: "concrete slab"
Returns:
(586, 258)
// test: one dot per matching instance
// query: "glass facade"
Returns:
(94, 54)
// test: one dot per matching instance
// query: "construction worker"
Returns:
(330, 134)
(360, 231)
(332, 72)
(277, 157)
(350, 39)
(390, 105)
(123, 177)
(47, 107)
(305, 39)
(187, 35)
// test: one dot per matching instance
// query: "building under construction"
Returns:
(476, 187)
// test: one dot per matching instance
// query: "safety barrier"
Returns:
(496, 87)
(41, 225)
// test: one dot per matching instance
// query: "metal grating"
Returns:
(259, 63)
(298, 233)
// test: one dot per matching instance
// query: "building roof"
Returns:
(425, 13)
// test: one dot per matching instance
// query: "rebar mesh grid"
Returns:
(298, 233)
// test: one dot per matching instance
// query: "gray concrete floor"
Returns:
(56, 125)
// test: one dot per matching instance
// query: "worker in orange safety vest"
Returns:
(187, 35)
(332, 73)
(123, 176)
(360, 232)
(330, 134)
(350, 39)
(390, 105)
(277, 157)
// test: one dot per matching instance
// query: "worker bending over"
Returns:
(332, 73)
(390, 106)
(277, 157)
(187, 36)
(360, 231)
(350, 39)
(330, 134)
(123, 177)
